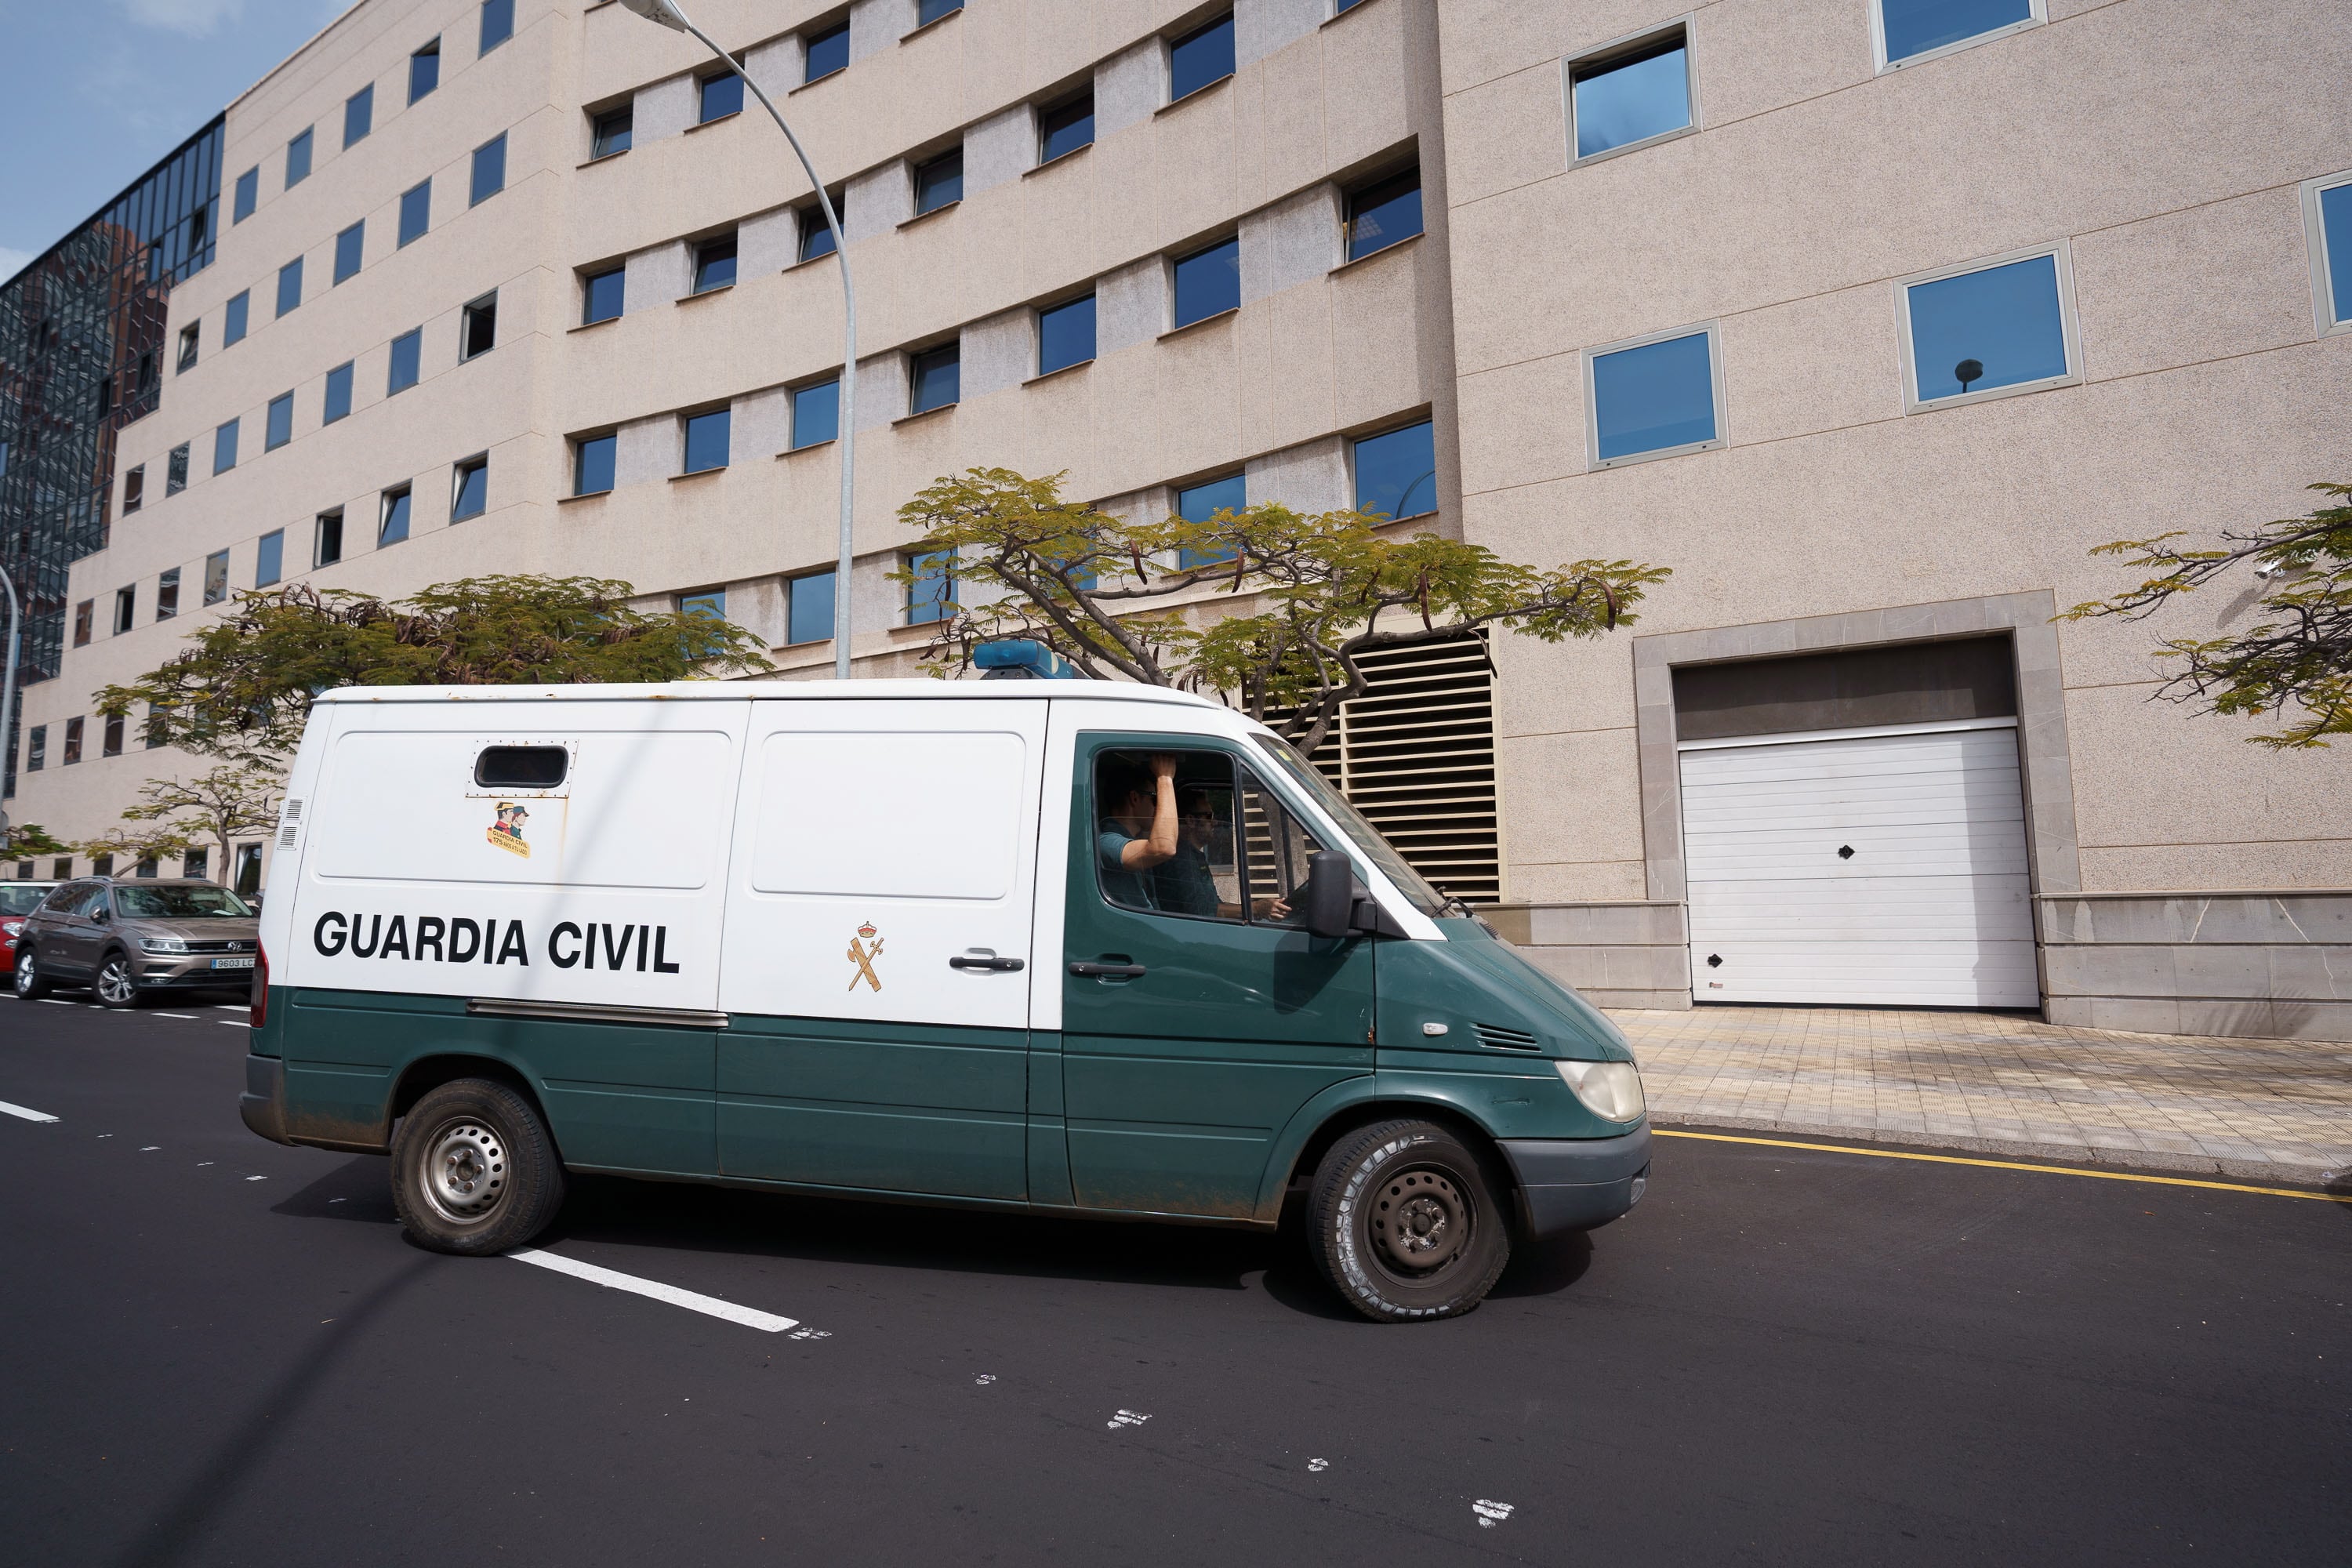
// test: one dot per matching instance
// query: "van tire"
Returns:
(474, 1170)
(1364, 1238)
(31, 983)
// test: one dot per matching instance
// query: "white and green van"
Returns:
(1064, 947)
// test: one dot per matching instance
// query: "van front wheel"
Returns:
(1405, 1223)
(474, 1170)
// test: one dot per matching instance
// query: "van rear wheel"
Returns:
(474, 1170)
(1405, 1223)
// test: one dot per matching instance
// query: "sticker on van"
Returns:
(864, 957)
(506, 831)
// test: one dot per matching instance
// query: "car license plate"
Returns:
(232, 963)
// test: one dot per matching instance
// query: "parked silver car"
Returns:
(127, 940)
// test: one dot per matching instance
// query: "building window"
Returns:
(601, 294)
(935, 378)
(1200, 57)
(269, 558)
(175, 470)
(1203, 501)
(1977, 331)
(939, 183)
(167, 594)
(477, 328)
(188, 340)
(249, 194)
(808, 608)
(490, 170)
(498, 23)
(290, 286)
(224, 448)
(425, 70)
(816, 235)
(714, 264)
(415, 211)
(327, 538)
(1630, 95)
(110, 736)
(339, 394)
(249, 856)
(407, 350)
(931, 596)
(1396, 472)
(84, 614)
(828, 51)
(706, 441)
(194, 864)
(1378, 215)
(298, 160)
(126, 608)
(720, 96)
(359, 115)
(134, 487)
(1908, 31)
(1066, 334)
(612, 133)
(232, 317)
(929, 11)
(710, 606)
(36, 752)
(469, 491)
(350, 245)
(215, 576)
(73, 743)
(151, 734)
(816, 414)
(592, 464)
(2328, 217)
(1065, 129)
(1208, 282)
(392, 516)
(278, 428)
(1651, 398)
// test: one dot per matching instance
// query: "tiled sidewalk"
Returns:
(2280, 1110)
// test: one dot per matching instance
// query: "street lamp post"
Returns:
(669, 13)
(8, 682)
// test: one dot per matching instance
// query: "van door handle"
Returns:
(1107, 970)
(1002, 965)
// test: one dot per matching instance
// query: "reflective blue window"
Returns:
(710, 606)
(393, 526)
(498, 23)
(1066, 335)
(714, 264)
(592, 464)
(816, 235)
(828, 51)
(269, 559)
(602, 297)
(298, 160)
(1633, 98)
(939, 182)
(1201, 57)
(425, 70)
(339, 394)
(931, 597)
(614, 133)
(1380, 216)
(809, 617)
(278, 428)
(408, 350)
(470, 489)
(248, 191)
(706, 441)
(1066, 129)
(1201, 503)
(490, 170)
(1396, 472)
(930, 11)
(224, 448)
(359, 115)
(232, 318)
(415, 211)
(721, 96)
(1999, 327)
(1658, 397)
(289, 286)
(816, 414)
(1915, 26)
(350, 245)
(2335, 249)
(1209, 282)
(936, 377)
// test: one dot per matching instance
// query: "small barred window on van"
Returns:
(522, 767)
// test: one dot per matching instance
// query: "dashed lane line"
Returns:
(29, 1115)
(612, 1279)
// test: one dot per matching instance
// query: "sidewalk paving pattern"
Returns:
(2001, 1083)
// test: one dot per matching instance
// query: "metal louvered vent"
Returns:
(1504, 1039)
(1416, 756)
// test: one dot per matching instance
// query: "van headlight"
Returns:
(1610, 1090)
(162, 945)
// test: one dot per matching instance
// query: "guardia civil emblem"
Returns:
(864, 949)
(506, 831)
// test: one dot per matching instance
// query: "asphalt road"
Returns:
(213, 1350)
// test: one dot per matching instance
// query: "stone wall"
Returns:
(2270, 965)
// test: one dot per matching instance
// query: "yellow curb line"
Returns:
(2005, 1165)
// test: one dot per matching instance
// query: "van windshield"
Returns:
(1362, 834)
(179, 904)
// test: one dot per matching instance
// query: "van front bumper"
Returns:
(1578, 1183)
(263, 1103)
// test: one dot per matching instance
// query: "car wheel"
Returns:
(31, 983)
(1405, 1223)
(474, 1170)
(115, 985)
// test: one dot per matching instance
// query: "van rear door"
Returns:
(878, 956)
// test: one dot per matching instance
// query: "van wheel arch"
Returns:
(426, 1074)
(1364, 1113)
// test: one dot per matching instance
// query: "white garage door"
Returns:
(1879, 868)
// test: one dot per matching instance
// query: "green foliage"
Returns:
(1322, 589)
(231, 802)
(130, 845)
(2298, 662)
(242, 685)
(22, 840)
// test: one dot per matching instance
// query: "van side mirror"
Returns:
(1329, 895)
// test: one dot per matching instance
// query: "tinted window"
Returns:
(1653, 398)
(1200, 57)
(215, 576)
(721, 96)
(394, 526)
(1631, 97)
(269, 559)
(816, 414)
(1915, 26)
(234, 316)
(929, 11)
(939, 182)
(810, 613)
(472, 490)
(1212, 843)
(1209, 282)
(425, 70)
(498, 23)
(359, 115)
(16, 899)
(180, 903)
(816, 235)
(601, 298)
(1066, 335)
(706, 440)
(828, 51)
(279, 427)
(931, 597)
(69, 896)
(224, 448)
(714, 264)
(522, 767)
(248, 191)
(1200, 503)
(298, 160)
(327, 543)
(592, 464)
(1999, 327)
(614, 133)
(1396, 473)
(408, 350)
(1380, 216)
(289, 286)
(936, 376)
(338, 394)
(1066, 129)
(2336, 242)
(477, 328)
(490, 170)
(350, 245)
(415, 211)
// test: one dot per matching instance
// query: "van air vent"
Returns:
(1504, 1039)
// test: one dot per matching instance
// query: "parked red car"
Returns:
(18, 899)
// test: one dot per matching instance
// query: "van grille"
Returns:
(1504, 1039)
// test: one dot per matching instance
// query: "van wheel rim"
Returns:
(464, 1172)
(1420, 1221)
(114, 985)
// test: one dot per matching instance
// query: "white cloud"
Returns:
(12, 262)
(197, 18)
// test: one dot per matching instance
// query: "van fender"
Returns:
(1393, 1093)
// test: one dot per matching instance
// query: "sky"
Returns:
(94, 93)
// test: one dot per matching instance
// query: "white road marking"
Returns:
(190, 1017)
(256, 1178)
(1126, 1418)
(233, 1023)
(1319, 1464)
(612, 1279)
(984, 1379)
(8, 1109)
(149, 1148)
(1490, 1514)
(234, 1007)
(58, 1002)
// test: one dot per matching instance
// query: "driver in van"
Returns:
(1139, 831)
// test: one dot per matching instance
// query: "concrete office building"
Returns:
(1868, 317)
